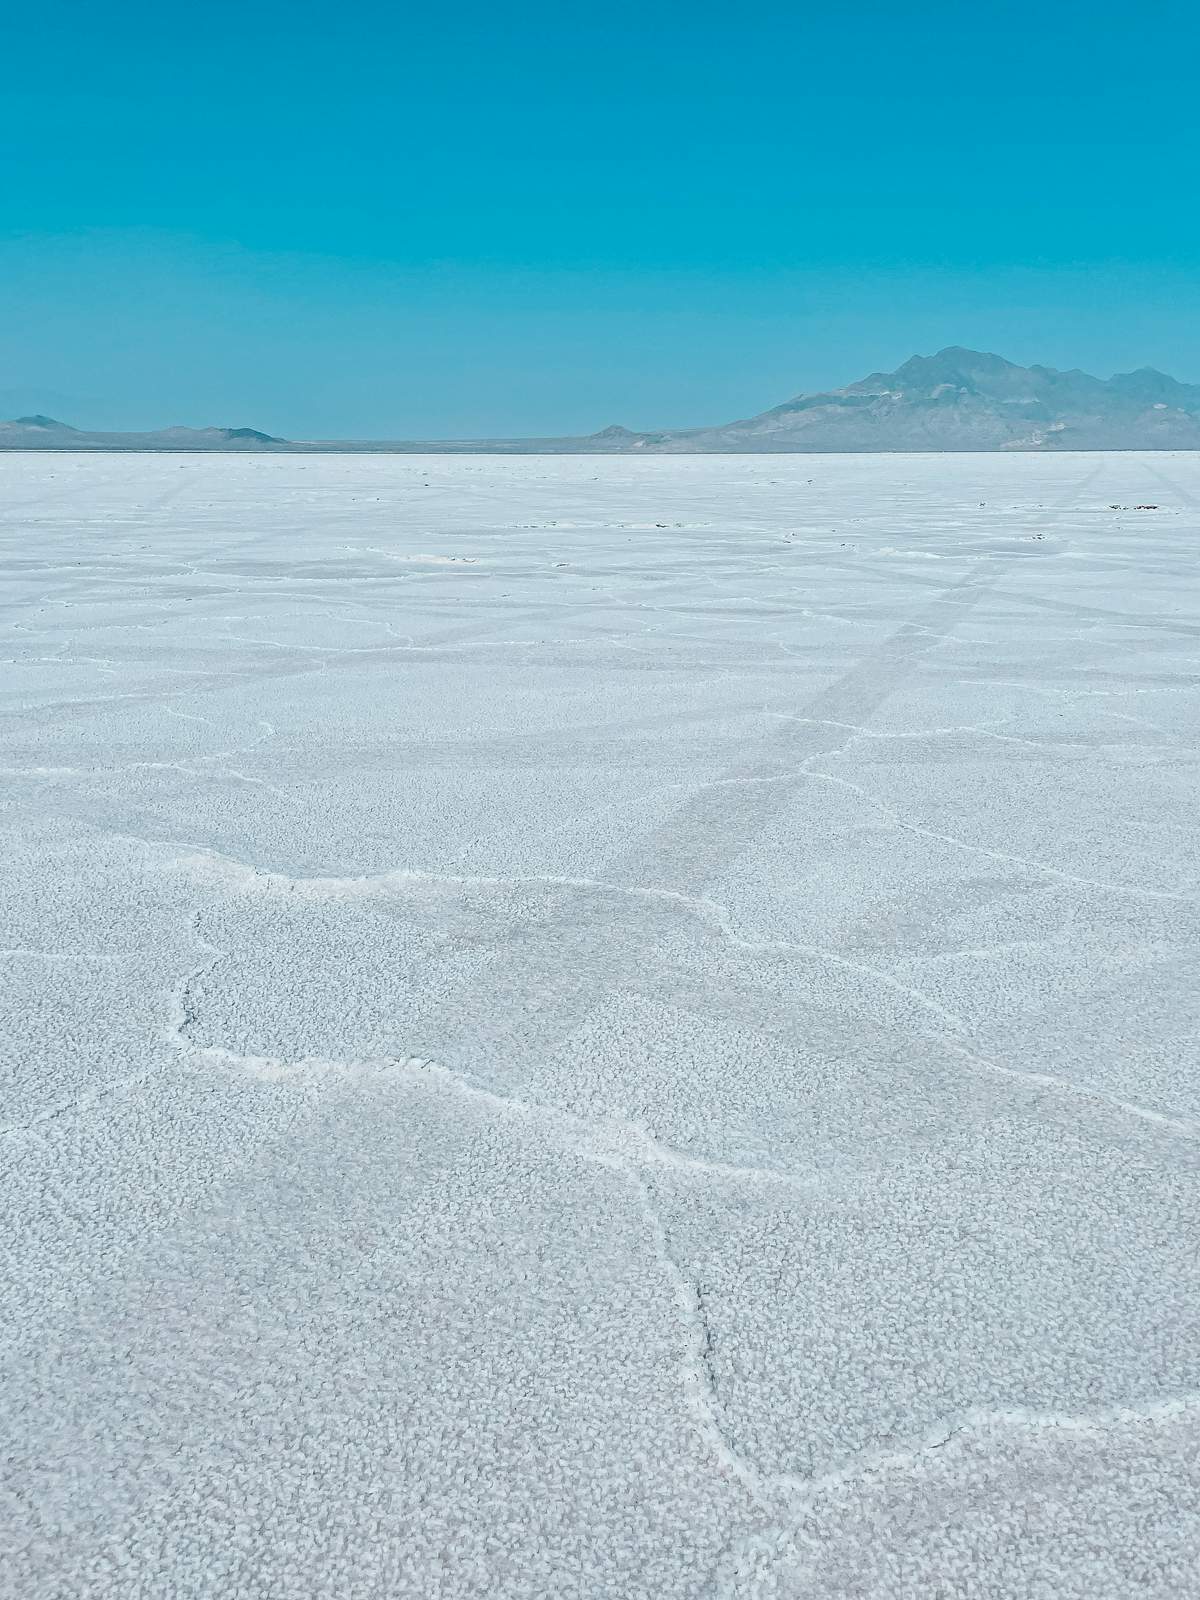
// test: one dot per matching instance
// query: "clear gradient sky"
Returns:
(514, 219)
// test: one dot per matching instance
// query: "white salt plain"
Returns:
(600, 1027)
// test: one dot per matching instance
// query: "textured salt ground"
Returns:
(597, 1028)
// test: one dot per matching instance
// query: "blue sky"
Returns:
(535, 218)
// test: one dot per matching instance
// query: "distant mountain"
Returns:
(955, 400)
(967, 400)
(46, 433)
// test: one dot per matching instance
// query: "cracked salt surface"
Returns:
(577, 1032)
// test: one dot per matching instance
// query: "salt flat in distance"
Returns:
(600, 1026)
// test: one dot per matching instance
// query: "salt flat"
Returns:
(600, 1027)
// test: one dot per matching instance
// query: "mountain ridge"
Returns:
(956, 399)
(960, 399)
